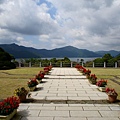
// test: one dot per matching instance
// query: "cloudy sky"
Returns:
(49, 24)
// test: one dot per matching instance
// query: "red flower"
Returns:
(111, 91)
(101, 83)
(8, 105)
(33, 82)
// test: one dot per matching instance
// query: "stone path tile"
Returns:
(69, 108)
(85, 113)
(54, 113)
(37, 118)
(103, 118)
(110, 113)
(23, 107)
(69, 118)
(96, 108)
(61, 92)
(62, 89)
(77, 91)
(115, 108)
(89, 95)
(60, 105)
(79, 105)
(97, 98)
(56, 98)
(28, 112)
(110, 105)
(39, 97)
(47, 94)
(79, 98)
(68, 94)
(41, 108)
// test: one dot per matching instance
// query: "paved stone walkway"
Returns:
(67, 84)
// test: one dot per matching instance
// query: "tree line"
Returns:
(8, 61)
(107, 58)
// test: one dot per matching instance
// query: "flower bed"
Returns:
(32, 82)
(112, 94)
(92, 79)
(21, 93)
(102, 85)
(86, 72)
(8, 106)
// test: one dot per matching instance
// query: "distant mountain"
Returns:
(29, 52)
(18, 51)
(112, 52)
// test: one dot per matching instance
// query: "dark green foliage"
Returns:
(108, 59)
(88, 64)
(5, 60)
(45, 62)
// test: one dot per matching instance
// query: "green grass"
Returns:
(12, 79)
(108, 74)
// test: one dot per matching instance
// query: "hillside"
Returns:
(29, 52)
(112, 52)
(19, 51)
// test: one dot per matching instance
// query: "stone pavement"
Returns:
(60, 96)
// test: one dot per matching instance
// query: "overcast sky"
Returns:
(49, 24)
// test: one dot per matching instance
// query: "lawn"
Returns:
(108, 74)
(12, 79)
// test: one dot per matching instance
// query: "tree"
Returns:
(66, 59)
(107, 57)
(5, 60)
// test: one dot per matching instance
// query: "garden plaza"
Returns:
(66, 94)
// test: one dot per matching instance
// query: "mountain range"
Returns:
(68, 51)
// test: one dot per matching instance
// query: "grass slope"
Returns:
(12, 79)
(108, 74)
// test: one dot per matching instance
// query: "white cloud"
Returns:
(88, 24)
(44, 38)
(25, 17)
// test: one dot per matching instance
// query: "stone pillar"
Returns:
(104, 64)
(50, 63)
(82, 64)
(93, 64)
(29, 64)
(40, 64)
(60, 64)
(71, 64)
(115, 64)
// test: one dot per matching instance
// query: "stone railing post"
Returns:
(115, 64)
(60, 64)
(40, 64)
(104, 64)
(82, 64)
(29, 64)
(71, 64)
(93, 64)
